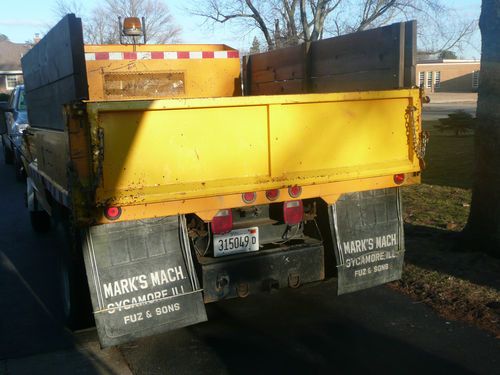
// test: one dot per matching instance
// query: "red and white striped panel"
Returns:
(158, 55)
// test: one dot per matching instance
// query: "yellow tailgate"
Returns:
(165, 150)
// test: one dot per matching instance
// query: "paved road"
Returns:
(32, 338)
(302, 331)
(434, 111)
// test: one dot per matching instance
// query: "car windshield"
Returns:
(21, 104)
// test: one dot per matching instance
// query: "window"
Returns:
(421, 79)
(475, 79)
(11, 81)
(429, 79)
(437, 79)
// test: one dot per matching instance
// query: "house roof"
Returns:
(11, 53)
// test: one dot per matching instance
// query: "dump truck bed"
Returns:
(165, 150)
(207, 195)
(163, 130)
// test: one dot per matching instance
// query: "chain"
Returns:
(418, 147)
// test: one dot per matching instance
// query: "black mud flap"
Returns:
(141, 278)
(368, 238)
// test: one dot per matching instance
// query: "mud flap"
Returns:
(141, 278)
(368, 238)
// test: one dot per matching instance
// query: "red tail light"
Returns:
(399, 178)
(112, 213)
(295, 191)
(249, 197)
(272, 195)
(222, 222)
(293, 212)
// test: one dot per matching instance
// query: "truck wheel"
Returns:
(75, 297)
(18, 165)
(74, 291)
(40, 221)
(8, 156)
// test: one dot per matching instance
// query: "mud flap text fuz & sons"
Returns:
(142, 279)
(368, 239)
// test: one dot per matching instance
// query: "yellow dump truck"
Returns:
(171, 189)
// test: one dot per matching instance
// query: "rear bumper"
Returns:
(265, 270)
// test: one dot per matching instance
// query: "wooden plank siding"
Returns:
(54, 73)
(378, 59)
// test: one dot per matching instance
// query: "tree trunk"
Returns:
(483, 227)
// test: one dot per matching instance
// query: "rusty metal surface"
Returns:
(128, 85)
(263, 271)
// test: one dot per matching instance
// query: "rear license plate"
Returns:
(236, 241)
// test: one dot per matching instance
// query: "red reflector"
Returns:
(399, 178)
(112, 213)
(293, 212)
(272, 195)
(249, 197)
(222, 222)
(294, 191)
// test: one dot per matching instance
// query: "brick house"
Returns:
(448, 75)
(10, 63)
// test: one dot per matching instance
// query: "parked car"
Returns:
(16, 121)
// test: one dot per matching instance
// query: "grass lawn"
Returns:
(450, 158)
(459, 285)
(443, 198)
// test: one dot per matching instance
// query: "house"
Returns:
(10, 63)
(443, 75)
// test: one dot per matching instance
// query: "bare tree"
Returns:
(434, 36)
(63, 7)
(282, 22)
(101, 24)
(313, 20)
(98, 28)
(484, 220)
(290, 22)
(255, 48)
(243, 12)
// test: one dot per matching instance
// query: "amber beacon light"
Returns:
(132, 26)
(131, 29)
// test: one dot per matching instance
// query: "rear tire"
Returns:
(39, 218)
(18, 165)
(74, 290)
(8, 155)
(40, 221)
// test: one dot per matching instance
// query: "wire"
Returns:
(288, 228)
(319, 232)
(184, 240)
(197, 250)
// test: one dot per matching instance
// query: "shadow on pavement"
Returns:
(310, 331)
(443, 251)
(33, 339)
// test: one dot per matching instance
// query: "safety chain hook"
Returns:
(419, 143)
